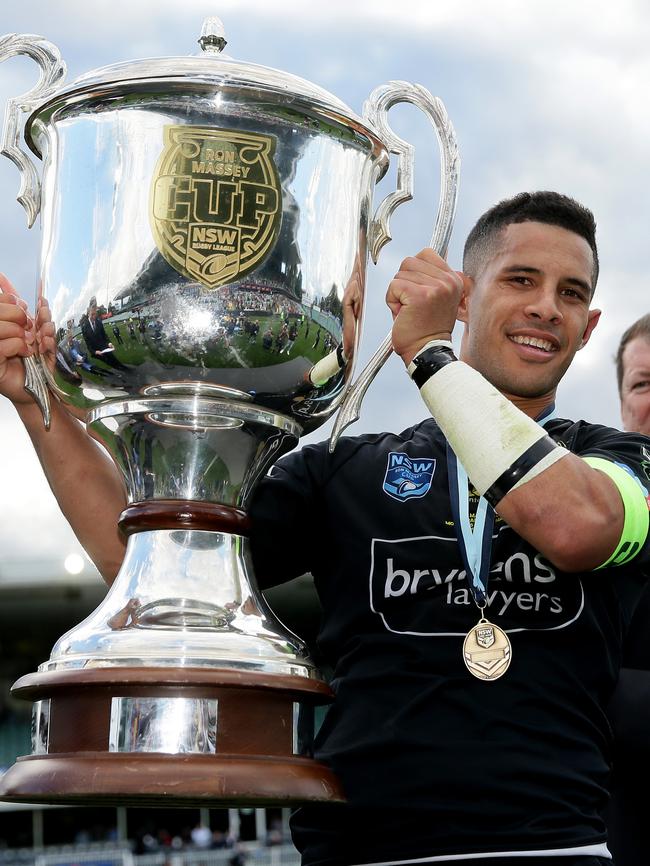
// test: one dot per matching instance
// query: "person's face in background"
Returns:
(635, 386)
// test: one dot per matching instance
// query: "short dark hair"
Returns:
(640, 328)
(551, 208)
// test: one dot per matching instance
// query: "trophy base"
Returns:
(178, 737)
(99, 778)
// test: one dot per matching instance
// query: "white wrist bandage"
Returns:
(500, 447)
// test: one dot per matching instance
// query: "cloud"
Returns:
(546, 94)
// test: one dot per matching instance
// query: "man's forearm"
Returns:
(569, 511)
(84, 481)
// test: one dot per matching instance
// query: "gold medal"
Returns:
(487, 651)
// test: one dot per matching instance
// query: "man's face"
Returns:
(527, 313)
(635, 387)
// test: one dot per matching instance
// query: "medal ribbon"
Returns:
(475, 544)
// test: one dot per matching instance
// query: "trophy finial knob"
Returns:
(212, 39)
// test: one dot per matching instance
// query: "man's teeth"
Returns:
(534, 341)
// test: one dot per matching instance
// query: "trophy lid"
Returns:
(210, 67)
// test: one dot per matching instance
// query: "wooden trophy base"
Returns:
(85, 754)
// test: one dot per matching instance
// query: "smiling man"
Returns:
(476, 571)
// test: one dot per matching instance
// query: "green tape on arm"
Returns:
(637, 519)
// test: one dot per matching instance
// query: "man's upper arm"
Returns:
(284, 518)
(629, 452)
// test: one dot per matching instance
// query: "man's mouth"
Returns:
(535, 342)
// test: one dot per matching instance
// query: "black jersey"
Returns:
(432, 760)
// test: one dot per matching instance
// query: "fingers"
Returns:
(9, 295)
(424, 280)
(426, 261)
(43, 312)
(14, 338)
(7, 287)
(423, 298)
(13, 311)
(12, 347)
(405, 289)
(19, 333)
(16, 327)
(45, 338)
(45, 330)
(426, 268)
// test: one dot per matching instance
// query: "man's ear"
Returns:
(592, 320)
(463, 305)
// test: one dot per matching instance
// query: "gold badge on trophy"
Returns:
(215, 202)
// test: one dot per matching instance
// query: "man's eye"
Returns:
(574, 293)
(642, 385)
(521, 281)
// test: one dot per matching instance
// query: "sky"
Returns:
(547, 94)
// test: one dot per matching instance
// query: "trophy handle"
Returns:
(375, 113)
(36, 385)
(53, 71)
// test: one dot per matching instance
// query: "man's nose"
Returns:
(545, 305)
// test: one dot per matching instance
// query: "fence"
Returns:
(245, 854)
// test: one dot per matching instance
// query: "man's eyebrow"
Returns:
(519, 269)
(526, 269)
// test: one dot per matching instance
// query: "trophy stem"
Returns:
(188, 597)
(190, 690)
(183, 514)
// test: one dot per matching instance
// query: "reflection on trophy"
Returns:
(206, 226)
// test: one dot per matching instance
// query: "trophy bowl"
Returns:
(206, 225)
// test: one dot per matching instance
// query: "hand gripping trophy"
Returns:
(206, 225)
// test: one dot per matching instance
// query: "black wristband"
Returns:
(428, 362)
(507, 480)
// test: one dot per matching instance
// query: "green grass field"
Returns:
(240, 352)
(216, 354)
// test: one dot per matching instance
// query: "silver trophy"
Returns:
(206, 226)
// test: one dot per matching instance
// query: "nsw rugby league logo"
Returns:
(215, 202)
(408, 477)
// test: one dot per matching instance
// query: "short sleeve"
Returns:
(630, 451)
(285, 515)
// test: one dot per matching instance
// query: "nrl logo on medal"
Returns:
(215, 202)
(486, 651)
(485, 636)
